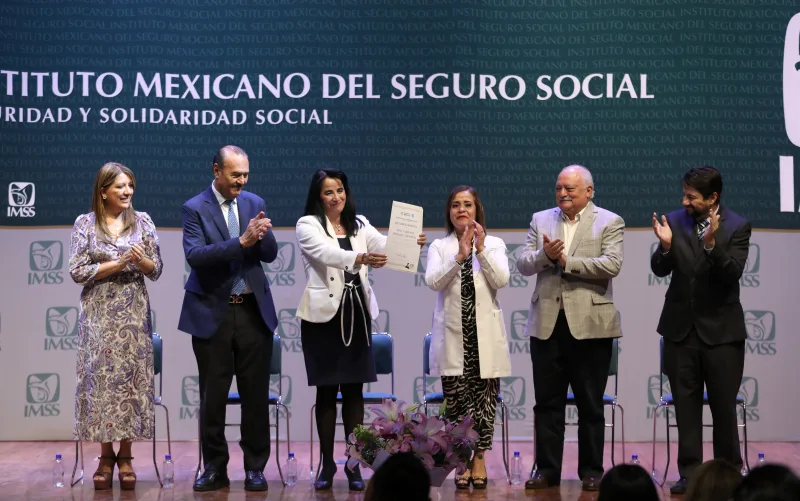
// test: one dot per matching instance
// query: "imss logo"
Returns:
(381, 324)
(519, 342)
(281, 271)
(419, 277)
(21, 197)
(516, 279)
(61, 328)
(42, 392)
(655, 385)
(512, 389)
(190, 397)
(46, 259)
(760, 325)
(791, 111)
(289, 331)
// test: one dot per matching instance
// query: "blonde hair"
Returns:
(105, 177)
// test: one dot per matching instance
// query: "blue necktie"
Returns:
(233, 231)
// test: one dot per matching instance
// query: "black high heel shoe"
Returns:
(325, 479)
(356, 483)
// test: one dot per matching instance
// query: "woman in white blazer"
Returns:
(337, 309)
(469, 348)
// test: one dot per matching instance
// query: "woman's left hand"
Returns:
(480, 236)
(421, 239)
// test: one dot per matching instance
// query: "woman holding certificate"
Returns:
(469, 348)
(337, 308)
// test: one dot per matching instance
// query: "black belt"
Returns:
(241, 298)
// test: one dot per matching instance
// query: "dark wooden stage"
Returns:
(26, 473)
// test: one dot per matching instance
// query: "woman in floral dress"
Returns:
(112, 249)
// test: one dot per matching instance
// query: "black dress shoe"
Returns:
(591, 483)
(539, 481)
(354, 479)
(325, 479)
(211, 480)
(254, 481)
(680, 486)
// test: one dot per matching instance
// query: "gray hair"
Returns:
(585, 175)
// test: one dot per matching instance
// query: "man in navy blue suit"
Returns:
(228, 309)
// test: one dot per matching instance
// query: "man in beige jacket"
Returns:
(575, 250)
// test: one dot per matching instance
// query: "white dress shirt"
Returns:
(568, 228)
(225, 207)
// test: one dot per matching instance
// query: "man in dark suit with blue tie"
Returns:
(705, 247)
(228, 309)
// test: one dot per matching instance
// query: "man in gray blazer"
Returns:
(575, 250)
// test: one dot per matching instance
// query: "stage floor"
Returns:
(26, 473)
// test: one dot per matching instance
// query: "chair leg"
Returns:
(622, 427)
(278, 443)
(614, 433)
(155, 462)
(744, 432)
(653, 462)
(288, 431)
(505, 442)
(78, 454)
(669, 447)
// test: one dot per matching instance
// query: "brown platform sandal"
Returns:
(102, 479)
(127, 480)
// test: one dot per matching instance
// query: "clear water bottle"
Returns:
(58, 472)
(761, 459)
(168, 472)
(291, 470)
(516, 469)
(635, 459)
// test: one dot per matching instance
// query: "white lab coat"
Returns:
(490, 273)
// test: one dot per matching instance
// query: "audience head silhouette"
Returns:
(627, 481)
(402, 477)
(771, 482)
(713, 480)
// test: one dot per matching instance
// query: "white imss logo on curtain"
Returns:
(21, 197)
(791, 110)
(42, 392)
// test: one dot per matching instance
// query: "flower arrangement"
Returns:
(442, 444)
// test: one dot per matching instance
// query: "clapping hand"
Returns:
(553, 248)
(256, 229)
(711, 231)
(480, 236)
(663, 232)
(465, 244)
